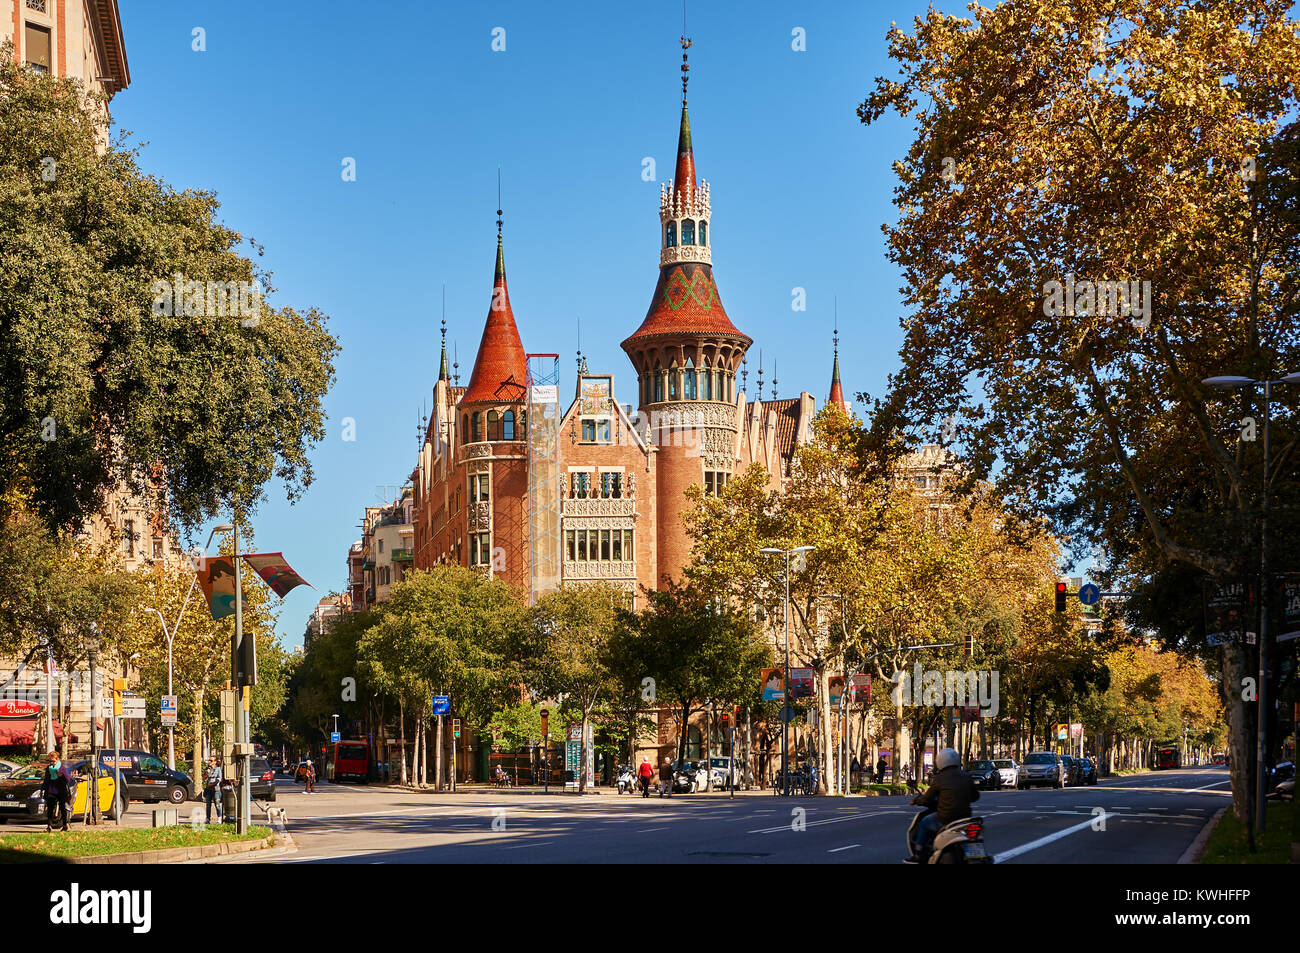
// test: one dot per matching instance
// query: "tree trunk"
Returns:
(401, 722)
(582, 753)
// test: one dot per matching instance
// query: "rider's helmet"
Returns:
(948, 758)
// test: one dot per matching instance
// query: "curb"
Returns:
(173, 855)
(1196, 850)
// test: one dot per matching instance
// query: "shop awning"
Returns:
(23, 731)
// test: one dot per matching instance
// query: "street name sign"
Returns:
(336, 737)
(442, 704)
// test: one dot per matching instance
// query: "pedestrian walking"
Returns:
(646, 772)
(212, 779)
(310, 778)
(57, 788)
(880, 770)
(666, 778)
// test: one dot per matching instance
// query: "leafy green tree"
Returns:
(569, 649)
(96, 386)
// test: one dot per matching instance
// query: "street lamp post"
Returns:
(1235, 383)
(171, 729)
(786, 707)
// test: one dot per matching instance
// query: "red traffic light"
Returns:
(1060, 587)
(1060, 596)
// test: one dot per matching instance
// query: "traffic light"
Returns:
(1060, 597)
(726, 720)
(968, 645)
(119, 686)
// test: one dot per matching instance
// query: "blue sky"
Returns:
(581, 95)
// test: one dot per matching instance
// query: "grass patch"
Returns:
(1228, 843)
(882, 789)
(40, 846)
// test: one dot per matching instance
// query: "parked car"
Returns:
(20, 793)
(718, 767)
(261, 780)
(985, 775)
(147, 778)
(1007, 769)
(7, 768)
(1071, 770)
(1041, 767)
(1087, 771)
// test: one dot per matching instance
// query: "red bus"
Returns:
(1168, 756)
(348, 760)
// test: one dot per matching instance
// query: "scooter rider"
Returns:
(950, 794)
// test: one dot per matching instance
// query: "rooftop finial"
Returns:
(835, 339)
(744, 373)
(499, 220)
(760, 375)
(686, 45)
(455, 363)
(774, 378)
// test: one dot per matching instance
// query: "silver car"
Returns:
(1041, 767)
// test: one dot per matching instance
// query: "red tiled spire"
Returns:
(501, 367)
(837, 392)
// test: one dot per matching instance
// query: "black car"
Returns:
(1087, 771)
(146, 777)
(985, 775)
(261, 780)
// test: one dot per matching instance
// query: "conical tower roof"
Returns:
(501, 366)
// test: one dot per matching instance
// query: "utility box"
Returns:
(164, 817)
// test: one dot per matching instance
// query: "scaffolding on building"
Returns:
(544, 527)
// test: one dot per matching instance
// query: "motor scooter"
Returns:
(961, 842)
(627, 783)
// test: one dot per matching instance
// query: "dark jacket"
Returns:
(58, 783)
(665, 772)
(951, 793)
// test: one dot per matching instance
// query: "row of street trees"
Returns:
(454, 631)
(1067, 143)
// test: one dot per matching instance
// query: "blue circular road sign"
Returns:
(1089, 595)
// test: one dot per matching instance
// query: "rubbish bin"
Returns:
(228, 795)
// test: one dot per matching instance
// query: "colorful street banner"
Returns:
(217, 580)
(801, 683)
(773, 685)
(860, 689)
(275, 572)
(1229, 608)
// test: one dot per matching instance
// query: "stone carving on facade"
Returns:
(600, 507)
(625, 569)
(474, 450)
(676, 253)
(480, 516)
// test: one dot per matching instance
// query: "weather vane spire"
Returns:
(498, 200)
(686, 45)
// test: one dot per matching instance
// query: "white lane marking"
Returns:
(1044, 841)
(651, 830)
(829, 820)
(836, 850)
(519, 847)
(1214, 785)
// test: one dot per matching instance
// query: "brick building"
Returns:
(600, 495)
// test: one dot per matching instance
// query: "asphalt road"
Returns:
(1144, 819)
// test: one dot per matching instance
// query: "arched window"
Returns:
(464, 428)
(708, 383)
(508, 425)
(493, 429)
(704, 233)
(659, 385)
(688, 232)
(523, 425)
(670, 235)
(723, 381)
(477, 431)
(688, 381)
(673, 385)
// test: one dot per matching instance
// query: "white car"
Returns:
(718, 768)
(1007, 769)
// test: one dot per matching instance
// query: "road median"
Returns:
(162, 845)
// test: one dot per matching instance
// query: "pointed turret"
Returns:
(500, 367)
(442, 371)
(837, 392)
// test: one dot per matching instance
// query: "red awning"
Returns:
(22, 731)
